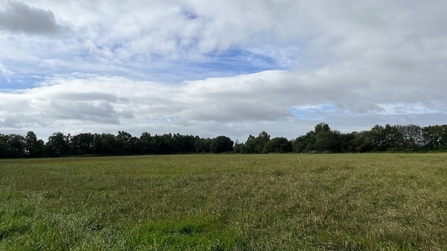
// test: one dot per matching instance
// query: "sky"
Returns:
(221, 67)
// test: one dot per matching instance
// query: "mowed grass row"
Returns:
(225, 202)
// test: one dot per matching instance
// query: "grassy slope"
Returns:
(225, 202)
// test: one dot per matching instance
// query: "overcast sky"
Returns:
(221, 67)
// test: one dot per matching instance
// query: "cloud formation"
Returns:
(19, 17)
(221, 67)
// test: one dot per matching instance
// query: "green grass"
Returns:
(225, 202)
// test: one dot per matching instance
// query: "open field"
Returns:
(225, 202)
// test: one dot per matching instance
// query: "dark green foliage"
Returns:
(143, 145)
(435, 137)
(278, 145)
(183, 143)
(347, 142)
(58, 145)
(33, 147)
(202, 145)
(125, 142)
(221, 144)
(109, 145)
(16, 145)
(320, 140)
(254, 145)
(4, 146)
(83, 144)
(304, 143)
(378, 139)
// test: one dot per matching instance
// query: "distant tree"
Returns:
(30, 144)
(347, 142)
(322, 127)
(162, 144)
(256, 145)
(412, 136)
(393, 138)
(322, 139)
(435, 137)
(58, 145)
(202, 145)
(109, 145)
(304, 143)
(39, 150)
(221, 144)
(144, 144)
(238, 146)
(363, 143)
(327, 141)
(5, 151)
(82, 144)
(377, 138)
(277, 145)
(17, 145)
(97, 145)
(183, 143)
(34, 147)
(124, 143)
(248, 146)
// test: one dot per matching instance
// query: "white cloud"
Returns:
(247, 101)
(280, 66)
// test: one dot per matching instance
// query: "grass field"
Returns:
(225, 202)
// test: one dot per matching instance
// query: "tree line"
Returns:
(388, 138)
(320, 140)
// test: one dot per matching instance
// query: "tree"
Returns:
(83, 143)
(30, 143)
(393, 138)
(277, 145)
(322, 139)
(33, 147)
(221, 144)
(362, 142)
(412, 136)
(17, 145)
(304, 143)
(435, 137)
(4, 146)
(162, 144)
(322, 127)
(238, 147)
(202, 145)
(124, 143)
(327, 141)
(256, 145)
(377, 138)
(183, 143)
(58, 145)
(144, 144)
(248, 146)
(347, 142)
(109, 144)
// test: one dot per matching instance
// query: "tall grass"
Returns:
(225, 202)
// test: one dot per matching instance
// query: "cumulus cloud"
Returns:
(19, 121)
(224, 67)
(19, 17)
(274, 99)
